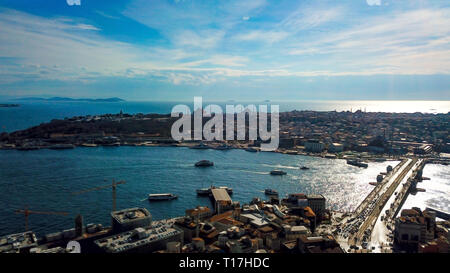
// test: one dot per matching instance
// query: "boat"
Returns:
(270, 192)
(200, 146)
(204, 163)
(114, 144)
(207, 191)
(223, 147)
(229, 190)
(251, 149)
(161, 196)
(88, 145)
(62, 146)
(357, 163)
(203, 191)
(278, 172)
(304, 168)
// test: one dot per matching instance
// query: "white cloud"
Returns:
(373, 2)
(402, 44)
(261, 35)
(310, 17)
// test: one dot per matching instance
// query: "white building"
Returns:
(314, 146)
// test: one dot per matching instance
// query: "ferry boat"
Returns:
(161, 196)
(278, 172)
(270, 192)
(204, 163)
(357, 163)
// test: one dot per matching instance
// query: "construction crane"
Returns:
(27, 212)
(113, 186)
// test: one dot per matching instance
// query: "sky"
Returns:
(226, 50)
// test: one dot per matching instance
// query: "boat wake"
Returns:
(263, 173)
(282, 166)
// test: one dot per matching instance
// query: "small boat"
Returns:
(203, 191)
(114, 144)
(204, 163)
(200, 146)
(229, 190)
(278, 172)
(223, 147)
(304, 168)
(357, 163)
(251, 149)
(161, 196)
(62, 146)
(88, 145)
(270, 192)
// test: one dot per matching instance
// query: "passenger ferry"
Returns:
(278, 172)
(204, 163)
(161, 196)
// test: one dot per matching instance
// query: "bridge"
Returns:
(440, 213)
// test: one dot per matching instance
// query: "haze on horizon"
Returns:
(226, 50)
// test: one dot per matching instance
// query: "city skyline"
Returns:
(168, 50)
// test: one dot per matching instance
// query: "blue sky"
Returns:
(177, 49)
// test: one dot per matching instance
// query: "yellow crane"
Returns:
(113, 185)
(27, 212)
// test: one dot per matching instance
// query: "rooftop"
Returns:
(131, 214)
(220, 195)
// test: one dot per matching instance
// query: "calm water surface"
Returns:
(45, 179)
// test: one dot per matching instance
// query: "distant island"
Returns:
(72, 99)
(9, 105)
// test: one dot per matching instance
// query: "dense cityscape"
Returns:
(297, 223)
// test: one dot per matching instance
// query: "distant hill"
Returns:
(72, 99)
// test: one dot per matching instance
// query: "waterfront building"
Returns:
(221, 199)
(314, 146)
(414, 227)
(141, 240)
(18, 243)
(335, 148)
(129, 219)
(317, 203)
(199, 213)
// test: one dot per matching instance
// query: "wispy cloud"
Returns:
(200, 43)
